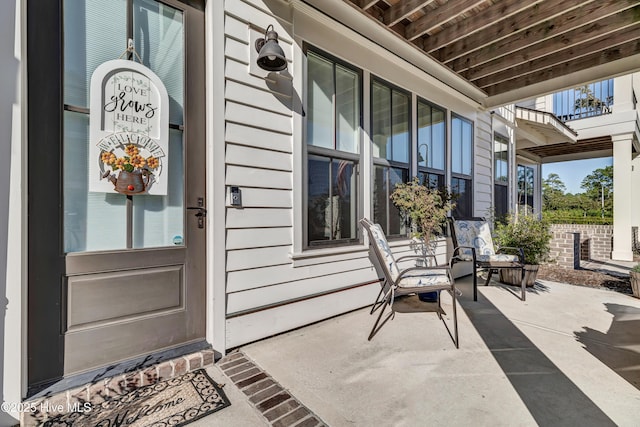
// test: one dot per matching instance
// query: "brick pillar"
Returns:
(576, 250)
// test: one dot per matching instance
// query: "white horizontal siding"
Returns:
(253, 218)
(253, 177)
(483, 184)
(247, 300)
(271, 275)
(247, 135)
(253, 157)
(258, 257)
(258, 117)
(266, 99)
(245, 238)
(266, 198)
(236, 29)
(261, 15)
(251, 327)
(482, 179)
(258, 159)
(236, 50)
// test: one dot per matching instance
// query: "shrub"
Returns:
(526, 232)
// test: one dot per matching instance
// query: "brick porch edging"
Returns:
(275, 403)
(107, 388)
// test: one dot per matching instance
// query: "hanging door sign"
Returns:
(129, 130)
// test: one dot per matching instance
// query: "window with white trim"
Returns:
(333, 122)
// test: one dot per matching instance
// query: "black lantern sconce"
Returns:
(270, 54)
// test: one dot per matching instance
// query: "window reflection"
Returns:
(461, 166)
(320, 104)
(390, 123)
(461, 189)
(332, 200)
(431, 136)
(525, 189)
(384, 211)
(333, 134)
(500, 172)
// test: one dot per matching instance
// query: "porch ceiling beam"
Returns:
(585, 41)
(483, 19)
(403, 9)
(435, 18)
(533, 20)
(364, 4)
(587, 22)
(613, 53)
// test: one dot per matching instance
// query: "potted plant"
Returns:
(426, 212)
(532, 235)
(634, 275)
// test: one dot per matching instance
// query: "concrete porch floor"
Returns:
(569, 355)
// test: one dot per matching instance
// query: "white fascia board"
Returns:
(608, 124)
(385, 42)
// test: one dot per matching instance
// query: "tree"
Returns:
(425, 208)
(598, 186)
(553, 192)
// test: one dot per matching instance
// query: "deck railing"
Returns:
(590, 100)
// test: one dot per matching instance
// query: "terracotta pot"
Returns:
(635, 283)
(513, 276)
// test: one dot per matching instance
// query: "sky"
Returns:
(572, 173)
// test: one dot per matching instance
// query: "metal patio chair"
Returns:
(472, 242)
(395, 282)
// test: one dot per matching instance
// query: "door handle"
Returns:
(201, 212)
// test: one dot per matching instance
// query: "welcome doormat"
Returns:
(174, 402)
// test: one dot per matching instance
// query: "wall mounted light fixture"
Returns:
(270, 54)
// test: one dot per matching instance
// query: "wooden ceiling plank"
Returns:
(402, 9)
(580, 146)
(516, 25)
(546, 30)
(609, 27)
(438, 16)
(489, 16)
(566, 56)
(612, 53)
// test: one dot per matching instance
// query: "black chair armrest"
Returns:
(511, 248)
(456, 251)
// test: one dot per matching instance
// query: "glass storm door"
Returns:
(134, 279)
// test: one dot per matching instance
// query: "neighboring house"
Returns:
(599, 119)
(252, 225)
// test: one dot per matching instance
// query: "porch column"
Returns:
(622, 197)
